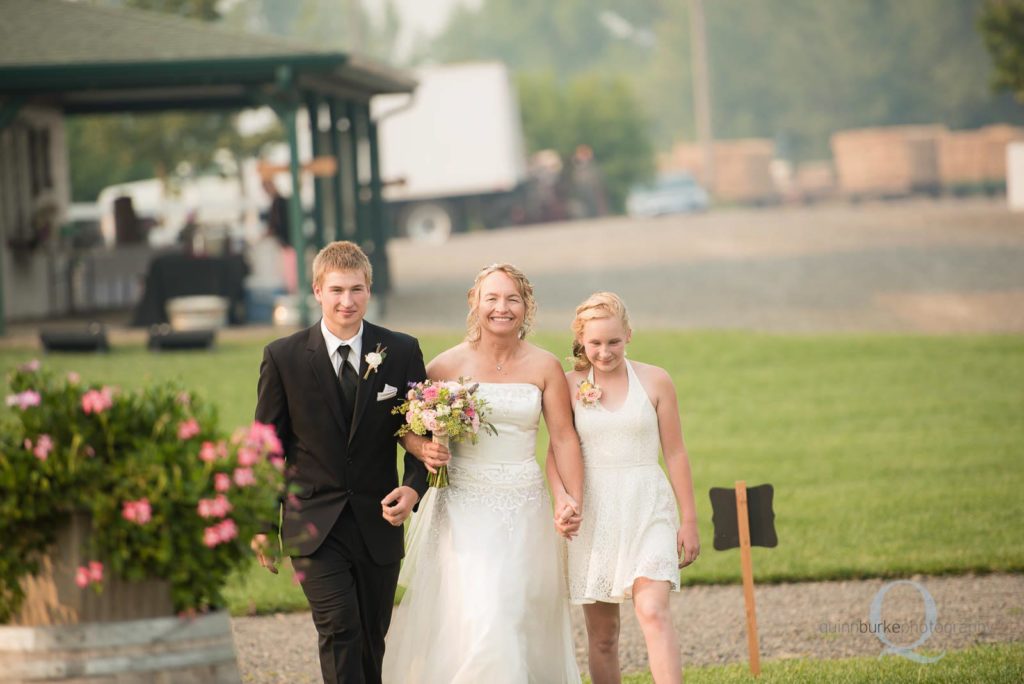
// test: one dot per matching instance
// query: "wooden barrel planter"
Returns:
(127, 634)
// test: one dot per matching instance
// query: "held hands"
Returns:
(397, 505)
(264, 554)
(568, 515)
(687, 543)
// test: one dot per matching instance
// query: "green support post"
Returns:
(8, 113)
(378, 227)
(295, 214)
(336, 188)
(352, 112)
(313, 107)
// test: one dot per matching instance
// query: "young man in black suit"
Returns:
(328, 391)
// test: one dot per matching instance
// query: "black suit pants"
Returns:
(351, 598)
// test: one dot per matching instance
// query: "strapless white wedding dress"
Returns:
(484, 574)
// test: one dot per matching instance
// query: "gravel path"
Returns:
(810, 619)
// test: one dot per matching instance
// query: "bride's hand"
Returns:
(434, 455)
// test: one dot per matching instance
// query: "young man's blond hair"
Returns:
(341, 255)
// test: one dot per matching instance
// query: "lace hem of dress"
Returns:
(605, 589)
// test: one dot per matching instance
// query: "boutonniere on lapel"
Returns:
(374, 359)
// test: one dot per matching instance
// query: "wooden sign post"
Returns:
(744, 518)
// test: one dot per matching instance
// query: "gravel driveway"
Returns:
(810, 619)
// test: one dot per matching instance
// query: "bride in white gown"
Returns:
(485, 595)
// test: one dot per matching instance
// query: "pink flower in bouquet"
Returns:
(222, 482)
(95, 571)
(429, 420)
(24, 400)
(82, 577)
(187, 429)
(208, 452)
(278, 463)
(411, 394)
(430, 393)
(184, 399)
(139, 512)
(74, 378)
(29, 366)
(244, 477)
(97, 401)
(248, 457)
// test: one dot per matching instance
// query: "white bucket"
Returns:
(203, 312)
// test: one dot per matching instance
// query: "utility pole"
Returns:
(355, 35)
(702, 91)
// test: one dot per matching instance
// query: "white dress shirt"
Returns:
(354, 343)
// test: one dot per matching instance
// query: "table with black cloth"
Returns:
(184, 275)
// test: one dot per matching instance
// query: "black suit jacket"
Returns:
(329, 466)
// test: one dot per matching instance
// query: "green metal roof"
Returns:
(84, 58)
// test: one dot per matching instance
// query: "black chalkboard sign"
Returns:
(761, 515)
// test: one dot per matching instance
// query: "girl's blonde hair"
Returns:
(597, 305)
(524, 288)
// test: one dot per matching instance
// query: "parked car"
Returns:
(670, 193)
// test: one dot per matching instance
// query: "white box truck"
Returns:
(452, 154)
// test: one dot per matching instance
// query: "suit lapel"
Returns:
(323, 370)
(371, 337)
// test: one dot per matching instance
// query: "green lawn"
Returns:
(889, 455)
(993, 663)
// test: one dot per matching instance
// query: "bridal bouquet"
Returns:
(450, 410)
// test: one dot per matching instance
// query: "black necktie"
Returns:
(349, 383)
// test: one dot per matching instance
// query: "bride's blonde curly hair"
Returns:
(597, 305)
(524, 288)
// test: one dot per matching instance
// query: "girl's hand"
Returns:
(687, 543)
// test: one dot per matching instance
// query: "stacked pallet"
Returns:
(742, 169)
(976, 160)
(888, 162)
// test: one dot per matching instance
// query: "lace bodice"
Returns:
(515, 412)
(500, 471)
(625, 437)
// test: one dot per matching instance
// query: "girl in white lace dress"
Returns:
(486, 598)
(631, 543)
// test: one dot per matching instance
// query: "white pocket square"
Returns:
(387, 393)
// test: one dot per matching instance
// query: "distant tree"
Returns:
(591, 109)
(1002, 26)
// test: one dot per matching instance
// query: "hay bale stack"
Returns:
(889, 161)
(742, 169)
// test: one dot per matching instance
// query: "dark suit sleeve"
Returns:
(272, 408)
(271, 402)
(415, 471)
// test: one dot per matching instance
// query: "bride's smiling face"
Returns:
(604, 342)
(500, 307)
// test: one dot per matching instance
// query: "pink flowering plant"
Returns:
(169, 495)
